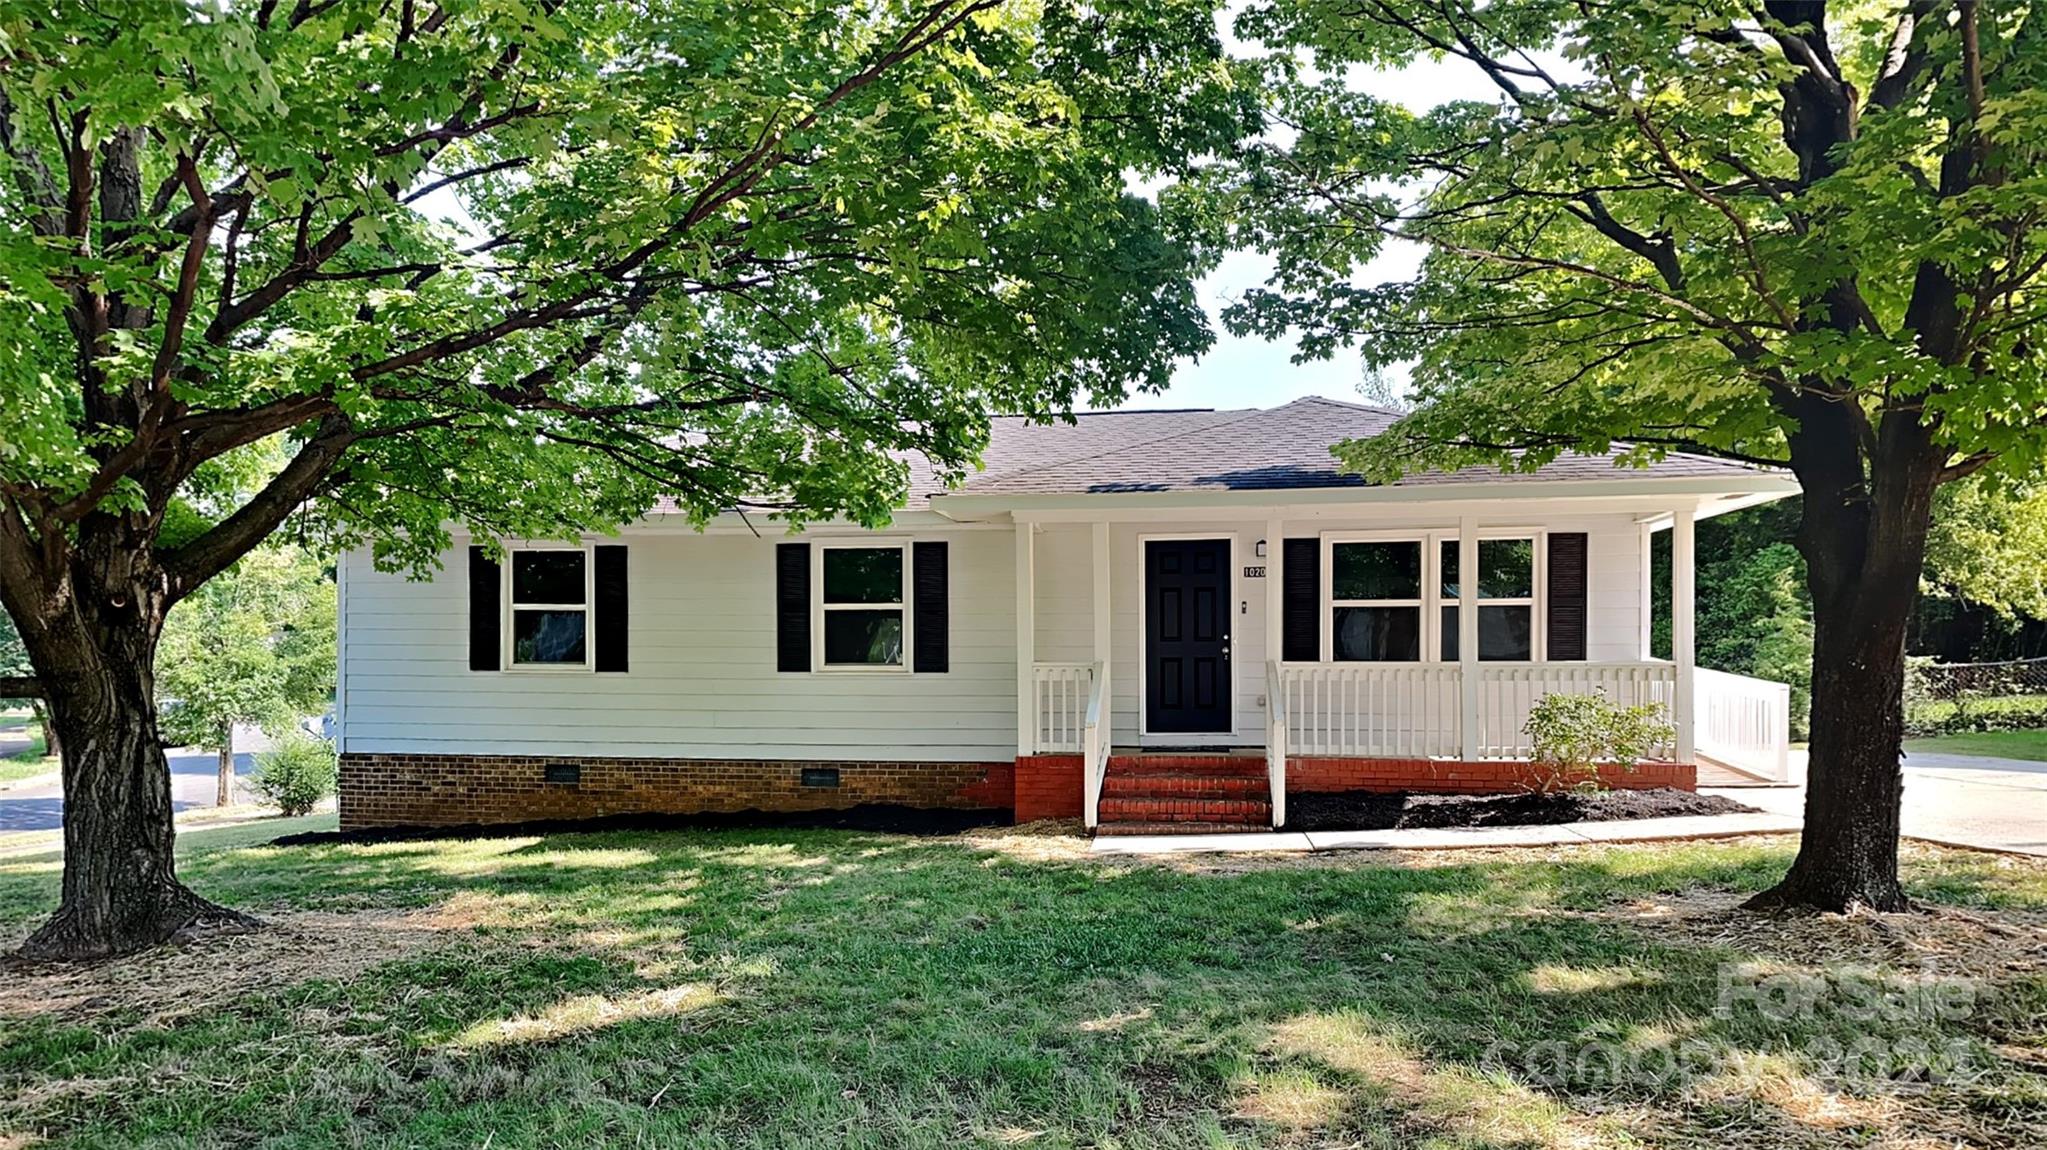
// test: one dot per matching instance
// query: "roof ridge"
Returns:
(1052, 416)
(1347, 405)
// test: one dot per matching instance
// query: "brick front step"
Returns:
(1180, 828)
(1186, 784)
(1182, 810)
(1234, 766)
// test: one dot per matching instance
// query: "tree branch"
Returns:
(215, 550)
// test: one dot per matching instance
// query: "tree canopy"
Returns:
(1642, 239)
(255, 645)
(1792, 232)
(527, 265)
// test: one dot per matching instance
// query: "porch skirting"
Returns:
(385, 790)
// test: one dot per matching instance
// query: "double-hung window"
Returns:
(1506, 599)
(1375, 601)
(861, 606)
(549, 608)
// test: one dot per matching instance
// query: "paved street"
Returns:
(1998, 804)
(40, 806)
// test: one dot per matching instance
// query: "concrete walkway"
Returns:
(1562, 834)
(1955, 800)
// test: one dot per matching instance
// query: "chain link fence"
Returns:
(1950, 681)
(1942, 698)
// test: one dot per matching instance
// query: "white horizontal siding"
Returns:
(702, 683)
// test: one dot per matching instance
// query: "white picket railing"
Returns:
(1059, 692)
(1508, 691)
(1416, 710)
(1275, 741)
(1744, 723)
(1094, 744)
(1375, 709)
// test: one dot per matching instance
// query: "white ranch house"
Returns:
(1147, 619)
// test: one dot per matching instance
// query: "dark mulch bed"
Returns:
(892, 818)
(1365, 811)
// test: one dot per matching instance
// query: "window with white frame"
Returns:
(861, 606)
(549, 608)
(1506, 599)
(1375, 601)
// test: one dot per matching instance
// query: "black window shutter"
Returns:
(792, 606)
(1301, 601)
(610, 625)
(934, 613)
(1567, 596)
(485, 626)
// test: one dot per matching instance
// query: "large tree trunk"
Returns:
(120, 891)
(1863, 559)
(1848, 856)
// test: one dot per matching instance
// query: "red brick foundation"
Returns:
(446, 790)
(1047, 787)
(1443, 776)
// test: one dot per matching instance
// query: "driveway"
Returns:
(1964, 800)
(40, 807)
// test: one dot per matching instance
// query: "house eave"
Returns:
(1713, 494)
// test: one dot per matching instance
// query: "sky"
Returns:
(1246, 371)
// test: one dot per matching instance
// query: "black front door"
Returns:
(1187, 635)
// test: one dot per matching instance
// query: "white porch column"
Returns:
(1467, 632)
(1026, 643)
(1275, 591)
(1101, 600)
(1646, 596)
(1683, 645)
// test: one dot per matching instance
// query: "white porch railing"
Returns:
(1094, 744)
(1744, 723)
(1059, 693)
(1508, 691)
(1415, 710)
(1373, 709)
(1275, 742)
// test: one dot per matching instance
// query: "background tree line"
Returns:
(1983, 592)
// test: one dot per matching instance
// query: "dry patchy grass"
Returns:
(804, 988)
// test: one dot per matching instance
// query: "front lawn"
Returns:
(801, 988)
(1995, 744)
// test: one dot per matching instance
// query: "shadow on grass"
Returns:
(761, 987)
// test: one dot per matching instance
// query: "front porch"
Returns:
(1453, 722)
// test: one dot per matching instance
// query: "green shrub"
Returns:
(1574, 734)
(297, 774)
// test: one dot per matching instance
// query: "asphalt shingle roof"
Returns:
(1251, 449)
(1245, 449)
